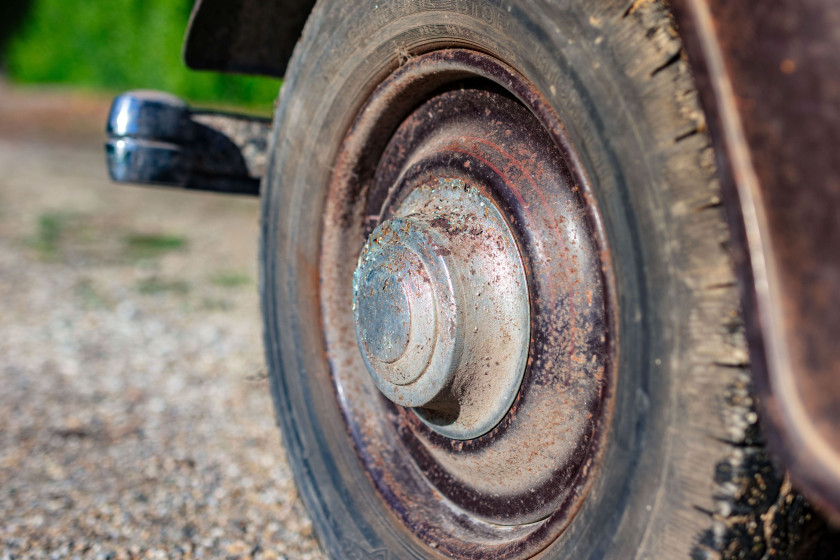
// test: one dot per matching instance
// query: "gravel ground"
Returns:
(135, 417)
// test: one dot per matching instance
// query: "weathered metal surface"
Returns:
(155, 138)
(769, 76)
(245, 36)
(516, 487)
(442, 311)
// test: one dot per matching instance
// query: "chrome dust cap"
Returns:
(441, 309)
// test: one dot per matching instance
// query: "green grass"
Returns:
(61, 234)
(86, 292)
(155, 285)
(122, 44)
(147, 246)
(213, 304)
(51, 228)
(230, 279)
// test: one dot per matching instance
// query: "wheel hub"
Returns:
(441, 309)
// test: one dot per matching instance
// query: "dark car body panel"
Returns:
(769, 79)
(245, 36)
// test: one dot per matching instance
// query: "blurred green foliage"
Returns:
(122, 44)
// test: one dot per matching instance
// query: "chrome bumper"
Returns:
(156, 138)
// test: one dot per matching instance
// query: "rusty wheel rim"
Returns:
(458, 115)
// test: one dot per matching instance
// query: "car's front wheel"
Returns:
(501, 319)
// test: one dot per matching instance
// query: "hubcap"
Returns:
(441, 309)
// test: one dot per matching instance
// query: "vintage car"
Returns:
(553, 279)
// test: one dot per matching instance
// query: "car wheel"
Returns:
(501, 318)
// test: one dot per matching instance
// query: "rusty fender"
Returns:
(769, 79)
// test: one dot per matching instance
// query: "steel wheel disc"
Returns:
(462, 116)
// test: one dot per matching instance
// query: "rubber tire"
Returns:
(683, 449)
